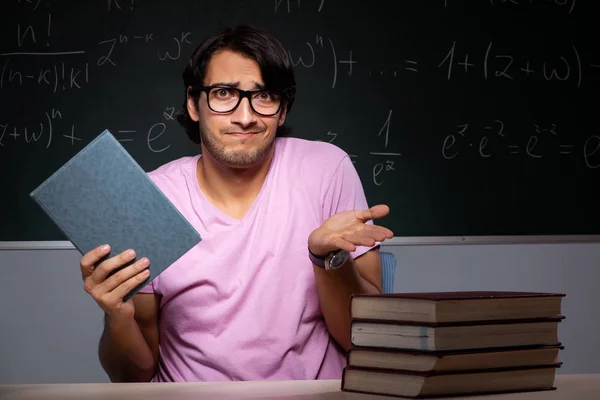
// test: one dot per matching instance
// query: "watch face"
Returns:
(337, 259)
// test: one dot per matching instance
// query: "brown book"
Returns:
(439, 384)
(456, 360)
(454, 335)
(456, 306)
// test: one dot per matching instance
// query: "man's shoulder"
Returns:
(172, 170)
(313, 153)
(312, 164)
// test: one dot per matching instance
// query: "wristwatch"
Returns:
(333, 260)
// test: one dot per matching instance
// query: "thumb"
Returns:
(375, 212)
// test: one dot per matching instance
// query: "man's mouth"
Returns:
(242, 134)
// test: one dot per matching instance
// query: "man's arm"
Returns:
(362, 275)
(347, 230)
(128, 348)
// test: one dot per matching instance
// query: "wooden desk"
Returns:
(569, 387)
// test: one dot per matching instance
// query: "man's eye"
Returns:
(263, 96)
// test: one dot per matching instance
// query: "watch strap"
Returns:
(319, 261)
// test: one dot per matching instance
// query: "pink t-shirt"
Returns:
(243, 304)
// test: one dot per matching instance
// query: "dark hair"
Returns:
(269, 53)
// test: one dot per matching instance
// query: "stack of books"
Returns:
(453, 343)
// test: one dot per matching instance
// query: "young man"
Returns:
(287, 238)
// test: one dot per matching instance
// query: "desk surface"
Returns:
(580, 387)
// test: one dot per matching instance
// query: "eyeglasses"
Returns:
(224, 99)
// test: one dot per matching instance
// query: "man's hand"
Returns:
(107, 287)
(347, 229)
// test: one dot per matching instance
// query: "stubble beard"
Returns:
(232, 158)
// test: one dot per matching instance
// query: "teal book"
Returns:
(102, 195)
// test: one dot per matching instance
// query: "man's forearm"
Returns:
(123, 352)
(334, 288)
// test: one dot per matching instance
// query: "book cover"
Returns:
(489, 334)
(461, 306)
(428, 384)
(102, 195)
(452, 360)
(457, 352)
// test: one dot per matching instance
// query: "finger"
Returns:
(367, 235)
(379, 211)
(375, 231)
(91, 258)
(362, 240)
(375, 212)
(382, 233)
(124, 288)
(101, 273)
(343, 244)
(112, 282)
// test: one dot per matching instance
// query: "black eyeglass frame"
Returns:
(242, 94)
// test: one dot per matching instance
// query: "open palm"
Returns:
(348, 229)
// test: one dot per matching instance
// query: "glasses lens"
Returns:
(265, 102)
(224, 100)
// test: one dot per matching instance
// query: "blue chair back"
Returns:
(388, 271)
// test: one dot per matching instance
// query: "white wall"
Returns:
(50, 327)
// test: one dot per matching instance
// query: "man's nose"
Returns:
(243, 114)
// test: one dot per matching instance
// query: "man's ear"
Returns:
(282, 115)
(192, 106)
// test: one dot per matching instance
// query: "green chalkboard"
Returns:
(465, 117)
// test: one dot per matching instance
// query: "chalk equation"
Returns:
(457, 62)
(563, 67)
(57, 77)
(110, 47)
(53, 129)
(460, 62)
(490, 141)
(307, 57)
(537, 141)
(43, 132)
(151, 135)
(72, 70)
(27, 38)
(385, 159)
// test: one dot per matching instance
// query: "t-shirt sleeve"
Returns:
(149, 288)
(345, 192)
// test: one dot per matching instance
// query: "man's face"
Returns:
(240, 138)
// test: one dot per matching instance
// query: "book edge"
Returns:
(430, 373)
(511, 321)
(452, 395)
(445, 353)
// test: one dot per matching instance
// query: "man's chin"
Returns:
(239, 153)
(243, 160)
